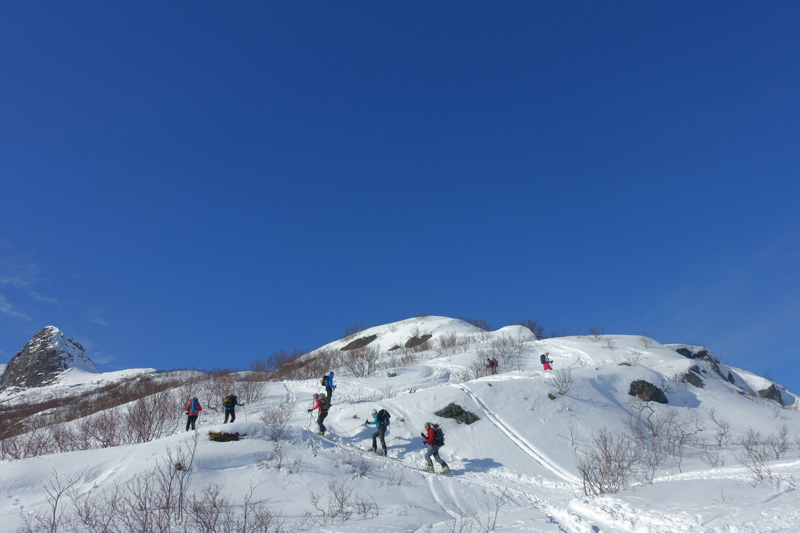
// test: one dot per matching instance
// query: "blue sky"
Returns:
(195, 184)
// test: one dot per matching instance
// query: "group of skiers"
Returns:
(433, 436)
(193, 409)
(544, 358)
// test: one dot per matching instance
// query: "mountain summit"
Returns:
(44, 358)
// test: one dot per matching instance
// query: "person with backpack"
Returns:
(381, 421)
(491, 364)
(545, 360)
(229, 403)
(434, 439)
(321, 403)
(327, 382)
(193, 409)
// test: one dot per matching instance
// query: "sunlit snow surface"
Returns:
(513, 469)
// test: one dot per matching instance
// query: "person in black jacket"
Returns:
(229, 403)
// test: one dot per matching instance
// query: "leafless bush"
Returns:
(533, 325)
(148, 417)
(505, 348)
(608, 343)
(754, 456)
(607, 467)
(597, 333)
(56, 491)
(722, 427)
(352, 331)
(275, 418)
(213, 389)
(103, 428)
(35, 442)
(778, 443)
(250, 387)
(356, 465)
(338, 503)
(478, 323)
(311, 365)
(361, 361)
(712, 456)
(562, 379)
(646, 342)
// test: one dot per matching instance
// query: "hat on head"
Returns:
(374, 411)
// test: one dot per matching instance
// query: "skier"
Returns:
(545, 360)
(381, 421)
(491, 364)
(229, 403)
(430, 438)
(321, 403)
(327, 382)
(193, 409)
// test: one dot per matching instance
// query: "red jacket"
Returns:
(430, 440)
(189, 405)
(318, 405)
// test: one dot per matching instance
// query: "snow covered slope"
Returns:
(514, 469)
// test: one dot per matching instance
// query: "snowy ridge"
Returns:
(514, 468)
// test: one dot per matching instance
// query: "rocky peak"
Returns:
(43, 358)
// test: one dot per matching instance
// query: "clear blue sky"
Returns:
(198, 184)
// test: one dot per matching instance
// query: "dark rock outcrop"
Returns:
(693, 377)
(647, 392)
(457, 413)
(771, 393)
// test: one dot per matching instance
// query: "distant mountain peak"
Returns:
(47, 355)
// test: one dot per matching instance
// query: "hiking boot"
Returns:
(428, 469)
(374, 450)
(445, 469)
(384, 453)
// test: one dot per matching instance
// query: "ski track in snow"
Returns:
(525, 446)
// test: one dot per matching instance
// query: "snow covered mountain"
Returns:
(44, 359)
(722, 454)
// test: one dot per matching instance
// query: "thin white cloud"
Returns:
(39, 297)
(99, 321)
(6, 308)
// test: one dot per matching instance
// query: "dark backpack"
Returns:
(542, 359)
(439, 435)
(323, 400)
(324, 380)
(494, 363)
(228, 402)
(383, 417)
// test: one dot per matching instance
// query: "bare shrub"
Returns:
(778, 443)
(147, 418)
(722, 427)
(755, 456)
(56, 491)
(597, 333)
(310, 365)
(533, 325)
(608, 343)
(103, 428)
(478, 323)
(249, 388)
(353, 330)
(646, 342)
(356, 465)
(275, 418)
(361, 361)
(712, 456)
(562, 379)
(606, 468)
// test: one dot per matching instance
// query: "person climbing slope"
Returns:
(321, 403)
(434, 442)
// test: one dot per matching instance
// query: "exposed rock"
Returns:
(771, 393)
(693, 377)
(41, 360)
(413, 342)
(359, 343)
(457, 413)
(647, 392)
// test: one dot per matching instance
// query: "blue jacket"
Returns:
(330, 381)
